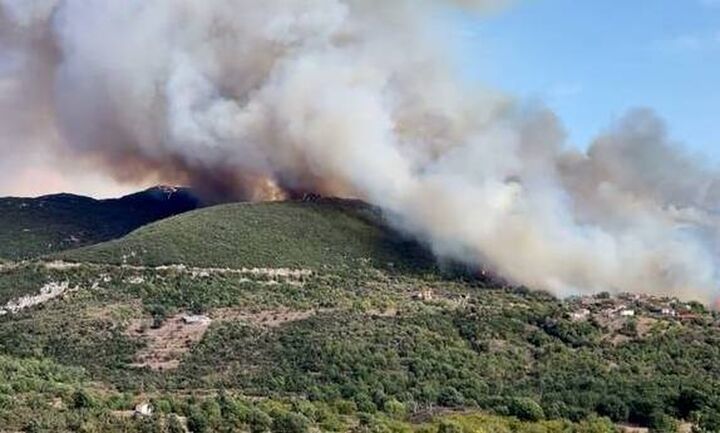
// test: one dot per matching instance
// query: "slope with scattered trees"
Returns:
(318, 317)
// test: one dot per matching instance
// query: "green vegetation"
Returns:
(34, 227)
(17, 282)
(331, 234)
(366, 335)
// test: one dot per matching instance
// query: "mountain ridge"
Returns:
(321, 233)
(30, 227)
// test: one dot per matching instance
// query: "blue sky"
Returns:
(592, 60)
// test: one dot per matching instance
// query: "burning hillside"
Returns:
(352, 98)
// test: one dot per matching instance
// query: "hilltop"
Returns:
(31, 227)
(323, 234)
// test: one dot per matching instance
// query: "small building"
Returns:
(627, 313)
(425, 295)
(668, 312)
(143, 410)
(581, 314)
(135, 280)
(195, 320)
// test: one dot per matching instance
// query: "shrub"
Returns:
(451, 397)
(394, 408)
(614, 408)
(526, 409)
(258, 421)
(287, 422)
(662, 423)
(707, 421)
(449, 427)
(174, 425)
(198, 421)
(81, 399)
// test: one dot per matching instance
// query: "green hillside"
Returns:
(306, 317)
(33, 227)
(314, 235)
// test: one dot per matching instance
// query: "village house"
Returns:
(579, 315)
(424, 295)
(668, 312)
(627, 313)
(195, 319)
(143, 410)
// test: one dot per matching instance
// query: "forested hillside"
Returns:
(301, 317)
(34, 227)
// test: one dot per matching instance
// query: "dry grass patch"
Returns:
(167, 343)
(267, 318)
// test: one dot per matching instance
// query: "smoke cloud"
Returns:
(357, 98)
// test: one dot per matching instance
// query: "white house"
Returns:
(627, 313)
(668, 312)
(144, 409)
(195, 320)
(580, 314)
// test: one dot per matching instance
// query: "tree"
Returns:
(643, 408)
(690, 400)
(175, 425)
(526, 409)
(451, 397)
(614, 408)
(707, 421)
(159, 314)
(597, 425)
(198, 421)
(662, 423)
(364, 403)
(394, 408)
(449, 427)
(629, 328)
(82, 400)
(287, 422)
(258, 421)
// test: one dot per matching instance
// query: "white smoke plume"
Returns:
(261, 99)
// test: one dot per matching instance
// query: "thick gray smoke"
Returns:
(261, 99)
